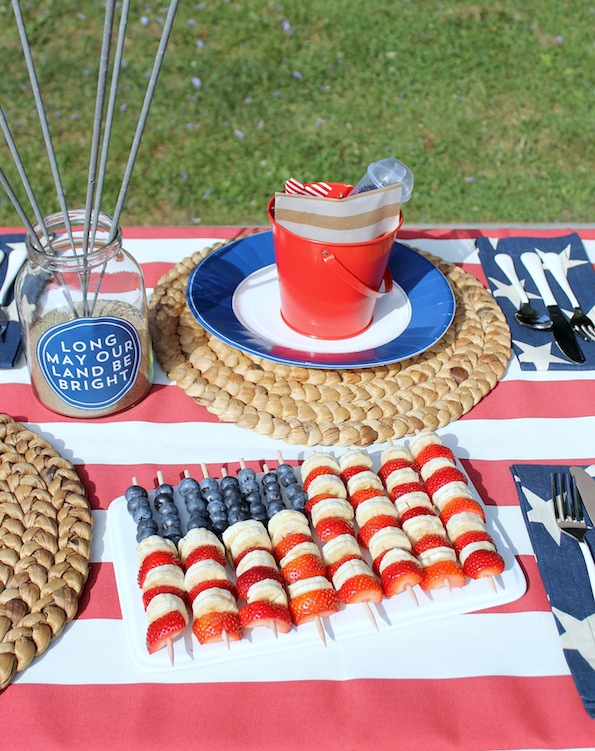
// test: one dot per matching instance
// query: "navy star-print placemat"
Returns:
(562, 568)
(537, 350)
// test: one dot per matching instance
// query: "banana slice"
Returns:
(164, 576)
(415, 499)
(386, 539)
(196, 538)
(458, 524)
(303, 548)
(473, 547)
(364, 480)
(203, 571)
(348, 570)
(311, 584)
(448, 492)
(319, 459)
(355, 458)
(250, 528)
(422, 525)
(339, 547)
(155, 544)
(163, 604)
(395, 452)
(331, 507)
(378, 506)
(287, 522)
(395, 555)
(436, 555)
(256, 558)
(435, 464)
(330, 484)
(267, 590)
(403, 476)
(214, 600)
(423, 439)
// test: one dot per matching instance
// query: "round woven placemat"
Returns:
(45, 545)
(309, 406)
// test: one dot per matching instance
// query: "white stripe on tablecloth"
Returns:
(137, 442)
(511, 644)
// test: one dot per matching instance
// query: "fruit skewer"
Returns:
(212, 596)
(160, 576)
(419, 521)
(379, 527)
(463, 517)
(332, 517)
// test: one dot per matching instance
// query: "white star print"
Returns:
(542, 512)
(579, 635)
(540, 356)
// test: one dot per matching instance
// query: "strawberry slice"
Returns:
(316, 604)
(316, 472)
(400, 575)
(256, 574)
(416, 511)
(158, 558)
(203, 553)
(373, 525)
(427, 542)
(442, 477)
(269, 614)
(331, 527)
(209, 584)
(468, 537)
(164, 589)
(443, 574)
(392, 466)
(242, 553)
(433, 451)
(361, 588)
(482, 563)
(363, 495)
(332, 568)
(289, 542)
(460, 506)
(161, 630)
(404, 488)
(305, 566)
(348, 472)
(311, 502)
(209, 627)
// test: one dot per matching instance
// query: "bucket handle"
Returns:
(353, 281)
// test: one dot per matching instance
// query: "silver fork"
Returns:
(580, 322)
(568, 510)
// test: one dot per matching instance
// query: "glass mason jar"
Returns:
(84, 319)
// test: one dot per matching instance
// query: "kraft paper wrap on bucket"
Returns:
(353, 219)
(333, 258)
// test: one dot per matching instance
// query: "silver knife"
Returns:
(586, 487)
(561, 329)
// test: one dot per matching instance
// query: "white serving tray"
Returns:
(350, 622)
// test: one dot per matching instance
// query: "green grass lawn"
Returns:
(491, 105)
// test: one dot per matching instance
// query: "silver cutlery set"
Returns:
(564, 330)
(571, 494)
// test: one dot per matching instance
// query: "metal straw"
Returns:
(42, 118)
(25, 179)
(96, 138)
(167, 26)
(33, 235)
(109, 118)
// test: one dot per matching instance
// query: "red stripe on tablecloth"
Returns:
(471, 714)
(100, 595)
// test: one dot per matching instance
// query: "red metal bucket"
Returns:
(328, 291)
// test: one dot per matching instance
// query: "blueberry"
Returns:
(232, 495)
(214, 494)
(292, 489)
(135, 502)
(229, 482)
(273, 495)
(188, 485)
(167, 509)
(284, 469)
(161, 498)
(141, 514)
(298, 503)
(251, 486)
(246, 474)
(133, 491)
(220, 525)
(217, 516)
(174, 537)
(252, 498)
(269, 477)
(216, 507)
(143, 532)
(198, 521)
(194, 504)
(170, 520)
(257, 509)
(165, 488)
(209, 484)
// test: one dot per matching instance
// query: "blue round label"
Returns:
(91, 363)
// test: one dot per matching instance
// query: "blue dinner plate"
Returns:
(234, 294)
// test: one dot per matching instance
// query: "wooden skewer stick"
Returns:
(204, 469)
(412, 594)
(370, 614)
(492, 583)
(160, 477)
(225, 637)
(320, 630)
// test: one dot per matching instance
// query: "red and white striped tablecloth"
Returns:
(495, 679)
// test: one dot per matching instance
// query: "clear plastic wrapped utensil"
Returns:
(385, 172)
